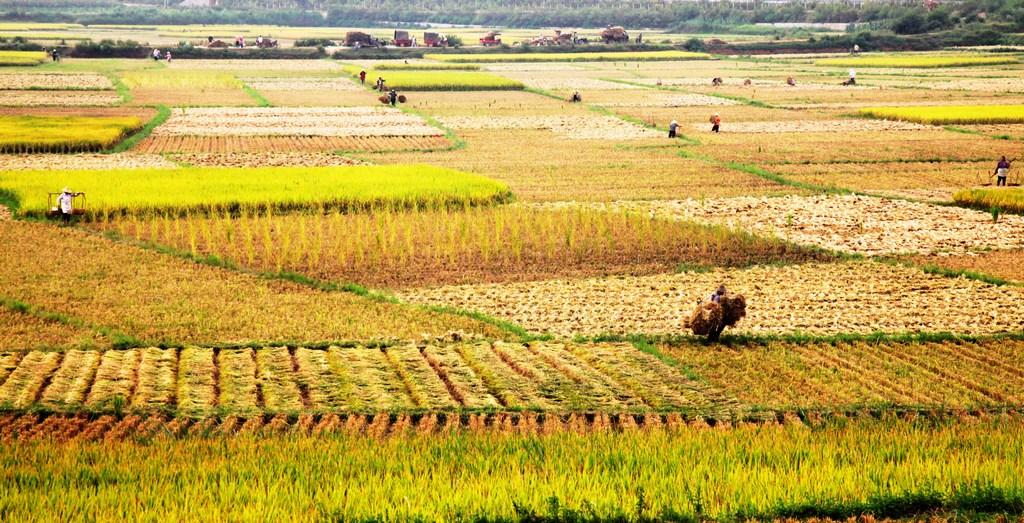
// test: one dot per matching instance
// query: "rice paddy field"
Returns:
(283, 299)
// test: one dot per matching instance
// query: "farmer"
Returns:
(259, 41)
(790, 81)
(209, 39)
(393, 96)
(716, 81)
(576, 96)
(853, 77)
(156, 55)
(168, 57)
(715, 122)
(55, 55)
(380, 83)
(672, 129)
(1002, 169)
(362, 77)
(64, 204)
(716, 297)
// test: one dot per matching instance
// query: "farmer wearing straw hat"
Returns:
(672, 129)
(715, 122)
(64, 203)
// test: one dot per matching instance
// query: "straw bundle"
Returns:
(706, 318)
(734, 308)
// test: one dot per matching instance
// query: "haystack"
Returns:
(734, 308)
(384, 99)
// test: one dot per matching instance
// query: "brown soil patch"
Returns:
(1005, 264)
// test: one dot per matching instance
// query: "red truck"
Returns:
(433, 39)
(491, 38)
(402, 39)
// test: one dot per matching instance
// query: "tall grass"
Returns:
(236, 190)
(950, 114)
(1006, 199)
(440, 80)
(63, 134)
(610, 56)
(916, 61)
(842, 469)
(508, 243)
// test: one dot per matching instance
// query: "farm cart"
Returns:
(491, 38)
(402, 39)
(433, 39)
(77, 207)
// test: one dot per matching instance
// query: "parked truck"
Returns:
(491, 38)
(402, 39)
(433, 39)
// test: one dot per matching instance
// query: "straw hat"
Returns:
(673, 121)
(66, 190)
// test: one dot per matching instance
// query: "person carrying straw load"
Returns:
(716, 121)
(717, 311)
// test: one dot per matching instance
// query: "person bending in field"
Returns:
(64, 203)
(715, 122)
(576, 96)
(1002, 169)
(672, 129)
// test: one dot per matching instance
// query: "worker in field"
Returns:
(853, 77)
(715, 122)
(790, 81)
(672, 129)
(393, 96)
(1002, 169)
(716, 297)
(156, 55)
(55, 55)
(576, 96)
(362, 77)
(169, 57)
(65, 204)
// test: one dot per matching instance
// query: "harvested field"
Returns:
(256, 65)
(781, 375)
(816, 126)
(224, 97)
(856, 147)
(581, 84)
(55, 82)
(670, 100)
(407, 249)
(57, 98)
(70, 162)
(1005, 264)
(303, 84)
(207, 145)
(1015, 130)
(588, 170)
(569, 127)
(601, 378)
(160, 298)
(23, 330)
(918, 180)
(264, 159)
(283, 121)
(489, 103)
(360, 98)
(855, 297)
(855, 224)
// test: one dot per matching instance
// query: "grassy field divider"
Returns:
(162, 114)
(122, 90)
(260, 100)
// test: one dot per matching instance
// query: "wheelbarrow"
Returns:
(78, 203)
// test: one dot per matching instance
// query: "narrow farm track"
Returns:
(284, 144)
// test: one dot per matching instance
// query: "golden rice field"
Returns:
(63, 134)
(285, 301)
(16, 58)
(951, 115)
